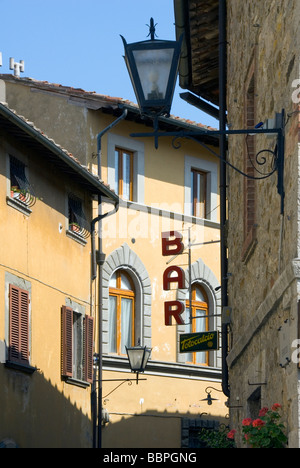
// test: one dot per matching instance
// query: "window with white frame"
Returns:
(121, 312)
(124, 173)
(77, 343)
(201, 188)
(125, 167)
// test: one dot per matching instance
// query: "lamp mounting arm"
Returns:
(277, 154)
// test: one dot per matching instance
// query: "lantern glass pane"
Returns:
(135, 357)
(138, 358)
(154, 70)
(146, 357)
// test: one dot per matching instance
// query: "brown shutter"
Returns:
(88, 348)
(67, 341)
(18, 325)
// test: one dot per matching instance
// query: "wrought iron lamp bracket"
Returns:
(277, 154)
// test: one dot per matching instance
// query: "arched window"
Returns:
(197, 320)
(121, 312)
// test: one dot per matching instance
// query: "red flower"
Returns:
(263, 411)
(258, 423)
(231, 434)
(276, 406)
(247, 422)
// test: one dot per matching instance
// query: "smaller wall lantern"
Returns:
(138, 358)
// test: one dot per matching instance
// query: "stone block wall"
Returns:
(263, 45)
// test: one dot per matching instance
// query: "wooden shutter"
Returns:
(88, 348)
(67, 341)
(18, 325)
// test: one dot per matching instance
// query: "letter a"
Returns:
(169, 312)
(168, 279)
(172, 246)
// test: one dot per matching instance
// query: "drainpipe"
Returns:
(100, 260)
(223, 210)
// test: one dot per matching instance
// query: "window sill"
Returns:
(169, 214)
(18, 205)
(166, 369)
(77, 382)
(27, 369)
(76, 237)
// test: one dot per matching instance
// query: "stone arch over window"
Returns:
(204, 277)
(127, 260)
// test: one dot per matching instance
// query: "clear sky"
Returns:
(77, 43)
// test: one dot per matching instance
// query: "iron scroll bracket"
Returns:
(277, 154)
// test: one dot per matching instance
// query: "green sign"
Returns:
(204, 341)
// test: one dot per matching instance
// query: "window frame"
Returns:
(197, 192)
(19, 326)
(68, 358)
(12, 281)
(120, 294)
(119, 172)
(77, 224)
(18, 197)
(211, 170)
(138, 149)
(198, 305)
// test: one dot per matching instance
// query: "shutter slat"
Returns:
(67, 341)
(88, 348)
(18, 325)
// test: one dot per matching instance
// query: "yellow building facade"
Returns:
(156, 192)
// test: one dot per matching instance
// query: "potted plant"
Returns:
(22, 196)
(14, 191)
(219, 438)
(266, 431)
(75, 227)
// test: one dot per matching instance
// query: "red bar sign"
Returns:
(172, 245)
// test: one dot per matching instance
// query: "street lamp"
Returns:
(138, 358)
(153, 68)
(153, 71)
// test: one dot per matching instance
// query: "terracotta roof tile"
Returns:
(91, 95)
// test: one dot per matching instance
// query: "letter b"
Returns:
(172, 246)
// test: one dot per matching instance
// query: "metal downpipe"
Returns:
(223, 210)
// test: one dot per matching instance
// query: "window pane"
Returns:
(199, 295)
(126, 175)
(198, 193)
(17, 174)
(77, 346)
(125, 283)
(112, 325)
(189, 329)
(113, 281)
(200, 327)
(200, 320)
(126, 324)
(117, 172)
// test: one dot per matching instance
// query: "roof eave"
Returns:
(88, 179)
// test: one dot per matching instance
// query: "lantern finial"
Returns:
(152, 29)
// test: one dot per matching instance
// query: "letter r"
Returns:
(169, 312)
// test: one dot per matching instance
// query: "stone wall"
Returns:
(263, 39)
